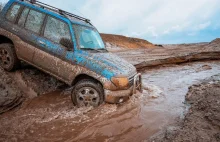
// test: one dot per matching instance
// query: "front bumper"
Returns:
(121, 96)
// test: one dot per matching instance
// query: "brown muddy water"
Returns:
(52, 117)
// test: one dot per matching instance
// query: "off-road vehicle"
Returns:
(68, 47)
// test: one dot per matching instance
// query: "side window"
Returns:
(23, 17)
(55, 30)
(13, 12)
(34, 21)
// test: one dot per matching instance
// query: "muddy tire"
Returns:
(8, 58)
(87, 93)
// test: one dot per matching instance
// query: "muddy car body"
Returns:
(67, 47)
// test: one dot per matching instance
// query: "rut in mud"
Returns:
(52, 117)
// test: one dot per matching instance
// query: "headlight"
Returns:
(120, 81)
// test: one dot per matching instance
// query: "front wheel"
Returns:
(87, 93)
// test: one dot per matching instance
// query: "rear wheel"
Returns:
(8, 57)
(87, 93)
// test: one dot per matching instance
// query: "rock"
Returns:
(171, 131)
(153, 91)
(108, 44)
(204, 68)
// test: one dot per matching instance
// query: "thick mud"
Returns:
(40, 82)
(24, 84)
(10, 94)
(202, 122)
(52, 117)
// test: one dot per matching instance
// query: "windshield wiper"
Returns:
(98, 50)
(103, 49)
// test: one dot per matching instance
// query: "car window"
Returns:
(13, 12)
(88, 37)
(55, 30)
(23, 17)
(34, 21)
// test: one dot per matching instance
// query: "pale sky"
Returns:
(159, 21)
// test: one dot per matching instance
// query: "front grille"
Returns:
(131, 81)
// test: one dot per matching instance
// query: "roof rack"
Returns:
(57, 10)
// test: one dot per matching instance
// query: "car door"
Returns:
(29, 26)
(22, 50)
(11, 16)
(52, 55)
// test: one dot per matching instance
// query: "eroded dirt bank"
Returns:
(171, 54)
(202, 122)
(24, 84)
(10, 95)
(119, 42)
(52, 117)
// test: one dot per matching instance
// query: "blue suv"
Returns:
(67, 47)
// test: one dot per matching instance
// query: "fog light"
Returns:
(121, 100)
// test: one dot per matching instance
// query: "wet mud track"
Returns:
(52, 117)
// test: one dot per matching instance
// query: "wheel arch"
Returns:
(85, 76)
(5, 39)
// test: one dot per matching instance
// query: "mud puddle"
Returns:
(52, 117)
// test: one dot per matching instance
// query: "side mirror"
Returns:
(67, 43)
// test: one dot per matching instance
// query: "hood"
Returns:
(106, 64)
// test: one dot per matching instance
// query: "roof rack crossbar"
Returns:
(57, 10)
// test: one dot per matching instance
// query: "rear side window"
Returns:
(34, 21)
(23, 17)
(55, 30)
(13, 12)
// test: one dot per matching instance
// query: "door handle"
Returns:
(15, 30)
(41, 42)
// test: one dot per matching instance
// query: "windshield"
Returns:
(88, 38)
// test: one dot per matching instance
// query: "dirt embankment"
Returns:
(114, 41)
(10, 95)
(24, 84)
(40, 82)
(172, 54)
(202, 122)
